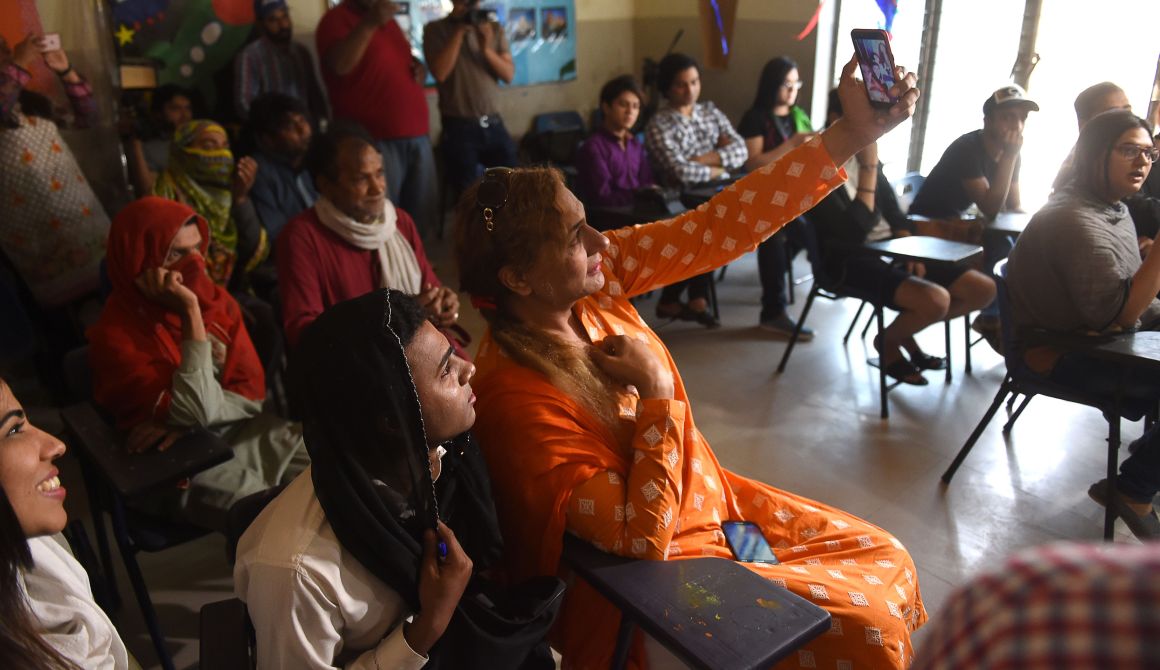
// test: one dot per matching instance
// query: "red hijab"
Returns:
(135, 345)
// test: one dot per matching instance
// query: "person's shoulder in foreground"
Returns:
(1064, 605)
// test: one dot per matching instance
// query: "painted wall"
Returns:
(764, 29)
(604, 49)
(613, 38)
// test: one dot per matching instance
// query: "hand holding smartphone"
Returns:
(877, 64)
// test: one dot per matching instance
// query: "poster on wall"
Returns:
(541, 34)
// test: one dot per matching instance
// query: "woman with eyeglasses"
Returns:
(49, 620)
(586, 424)
(772, 127)
(775, 124)
(1077, 268)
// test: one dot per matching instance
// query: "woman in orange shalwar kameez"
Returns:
(586, 425)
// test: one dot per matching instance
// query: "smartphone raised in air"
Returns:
(877, 64)
(747, 543)
(50, 42)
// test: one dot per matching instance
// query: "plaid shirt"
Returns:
(266, 67)
(673, 139)
(1064, 605)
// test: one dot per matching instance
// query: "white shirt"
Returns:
(62, 601)
(313, 605)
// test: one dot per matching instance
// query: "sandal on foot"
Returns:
(924, 361)
(903, 371)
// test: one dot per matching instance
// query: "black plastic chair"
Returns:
(1020, 380)
(554, 139)
(756, 625)
(115, 480)
(227, 637)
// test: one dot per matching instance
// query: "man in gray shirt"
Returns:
(468, 55)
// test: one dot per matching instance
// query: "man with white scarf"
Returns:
(354, 240)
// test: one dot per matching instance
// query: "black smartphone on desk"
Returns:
(877, 63)
(747, 542)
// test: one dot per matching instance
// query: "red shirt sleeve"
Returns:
(300, 284)
(330, 30)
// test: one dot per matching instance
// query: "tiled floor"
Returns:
(815, 430)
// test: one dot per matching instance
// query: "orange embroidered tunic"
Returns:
(557, 468)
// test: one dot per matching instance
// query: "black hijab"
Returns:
(364, 430)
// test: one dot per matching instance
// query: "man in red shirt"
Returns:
(354, 240)
(373, 79)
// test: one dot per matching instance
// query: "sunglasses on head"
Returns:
(492, 193)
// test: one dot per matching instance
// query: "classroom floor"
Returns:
(813, 430)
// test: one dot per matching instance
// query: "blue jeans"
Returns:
(1139, 478)
(409, 165)
(469, 147)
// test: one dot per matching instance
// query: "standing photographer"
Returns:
(467, 53)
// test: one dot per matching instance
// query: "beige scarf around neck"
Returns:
(399, 267)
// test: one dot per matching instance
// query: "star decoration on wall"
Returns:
(125, 34)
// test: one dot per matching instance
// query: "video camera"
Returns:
(476, 16)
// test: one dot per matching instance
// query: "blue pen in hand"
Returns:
(442, 547)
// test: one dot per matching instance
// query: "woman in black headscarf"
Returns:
(345, 568)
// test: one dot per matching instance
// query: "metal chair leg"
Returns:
(1113, 464)
(866, 328)
(140, 590)
(947, 339)
(1004, 389)
(94, 486)
(798, 328)
(854, 322)
(713, 296)
(1014, 417)
(882, 390)
(623, 643)
(789, 285)
(967, 343)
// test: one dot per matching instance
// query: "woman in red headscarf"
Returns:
(170, 352)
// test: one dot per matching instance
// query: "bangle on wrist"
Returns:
(867, 190)
(66, 71)
(867, 166)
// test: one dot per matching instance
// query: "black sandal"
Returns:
(905, 372)
(924, 361)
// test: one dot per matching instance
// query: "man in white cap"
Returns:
(981, 167)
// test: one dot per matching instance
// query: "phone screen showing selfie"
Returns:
(877, 68)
